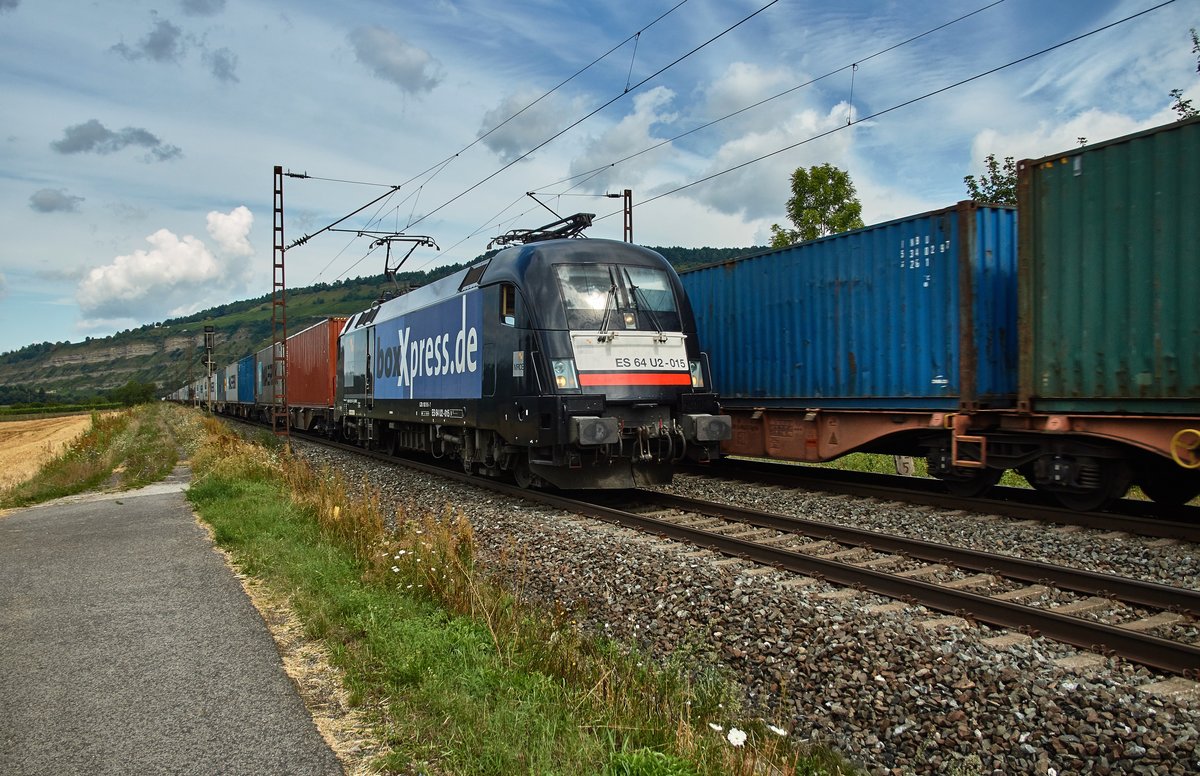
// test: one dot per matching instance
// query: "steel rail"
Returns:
(1016, 502)
(1165, 655)
(1151, 594)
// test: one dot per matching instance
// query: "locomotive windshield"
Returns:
(615, 296)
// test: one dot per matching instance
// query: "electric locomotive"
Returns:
(568, 362)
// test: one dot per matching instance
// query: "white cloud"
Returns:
(175, 271)
(744, 84)
(1051, 137)
(394, 59)
(231, 230)
(531, 127)
(760, 190)
(630, 135)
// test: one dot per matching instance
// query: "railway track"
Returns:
(1106, 614)
(1142, 518)
(884, 564)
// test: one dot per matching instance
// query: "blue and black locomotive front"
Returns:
(570, 362)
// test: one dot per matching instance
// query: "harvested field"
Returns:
(26, 444)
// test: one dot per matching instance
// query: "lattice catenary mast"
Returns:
(279, 409)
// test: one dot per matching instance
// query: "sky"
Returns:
(138, 139)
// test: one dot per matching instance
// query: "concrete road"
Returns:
(128, 647)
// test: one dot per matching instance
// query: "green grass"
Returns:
(877, 463)
(456, 672)
(449, 697)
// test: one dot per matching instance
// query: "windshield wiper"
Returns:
(609, 304)
(637, 294)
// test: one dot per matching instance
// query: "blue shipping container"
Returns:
(245, 380)
(917, 313)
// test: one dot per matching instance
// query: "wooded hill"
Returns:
(171, 353)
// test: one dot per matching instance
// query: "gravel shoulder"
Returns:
(898, 688)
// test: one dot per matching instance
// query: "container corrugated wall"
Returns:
(311, 368)
(245, 380)
(1110, 275)
(226, 376)
(916, 313)
(264, 376)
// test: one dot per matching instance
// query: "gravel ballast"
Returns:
(898, 688)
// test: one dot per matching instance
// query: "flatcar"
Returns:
(1059, 340)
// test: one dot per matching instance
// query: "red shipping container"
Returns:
(312, 364)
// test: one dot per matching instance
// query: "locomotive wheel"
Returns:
(1174, 488)
(522, 473)
(973, 482)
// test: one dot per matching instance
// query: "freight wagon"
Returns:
(312, 374)
(870, 340)
(1073, 359)
(1109, 322)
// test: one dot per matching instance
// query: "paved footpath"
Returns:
(127, 646)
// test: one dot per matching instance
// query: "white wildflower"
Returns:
(716, 727)
(395, 569)
(736, 737)
(777, 731)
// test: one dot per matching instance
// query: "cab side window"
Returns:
(508, 304)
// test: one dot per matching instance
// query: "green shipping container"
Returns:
(1109, 275)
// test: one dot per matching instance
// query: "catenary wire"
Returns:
(445, 162)
(584, 118)
(593, 172)
(897, 106)
(589, 174)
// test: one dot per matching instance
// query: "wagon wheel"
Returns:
(1169, 487)
(969, 483)
(1112, 482)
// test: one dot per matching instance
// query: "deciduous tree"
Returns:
(997, 185)
(823, 202)
(1182, 107)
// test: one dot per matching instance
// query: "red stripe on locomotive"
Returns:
(635, 378)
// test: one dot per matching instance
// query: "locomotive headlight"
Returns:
(697, 374)
(630, 321)
(564, 373)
